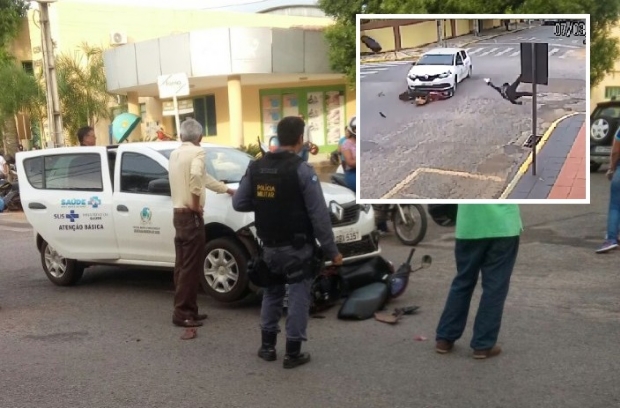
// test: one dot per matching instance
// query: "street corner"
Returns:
(560, 167)
(440, 184)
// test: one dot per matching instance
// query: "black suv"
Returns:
(604, 123)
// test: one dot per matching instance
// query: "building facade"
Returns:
(248, 65)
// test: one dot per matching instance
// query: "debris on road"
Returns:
(420, 338)
(382, 115)
(189, 333)
(381, 94)
(394, 316)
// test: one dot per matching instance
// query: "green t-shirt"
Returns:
(475, 221)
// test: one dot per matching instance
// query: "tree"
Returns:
(82, 89)
(604, 15)
(12, 13)
(21, 92)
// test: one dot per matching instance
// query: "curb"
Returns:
(525, 166)
(374, 61)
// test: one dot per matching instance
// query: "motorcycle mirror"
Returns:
(427, 260)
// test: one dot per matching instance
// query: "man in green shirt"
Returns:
(487, 242)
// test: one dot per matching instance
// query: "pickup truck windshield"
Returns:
(224, 164)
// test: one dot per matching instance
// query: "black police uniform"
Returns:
(290, 215)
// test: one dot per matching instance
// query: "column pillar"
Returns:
(235, 110)
(133, 106)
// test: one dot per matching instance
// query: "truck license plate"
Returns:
(348, 235)
(602, 149)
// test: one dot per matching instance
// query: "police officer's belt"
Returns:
(278, 244)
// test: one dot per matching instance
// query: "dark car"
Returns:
(604, 123)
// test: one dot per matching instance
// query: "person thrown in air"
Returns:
(509, 91)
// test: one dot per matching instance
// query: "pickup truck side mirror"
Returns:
(159, 186)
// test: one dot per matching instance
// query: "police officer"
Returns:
(290, 215)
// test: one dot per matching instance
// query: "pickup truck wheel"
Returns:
(61, 271)
(225, 275)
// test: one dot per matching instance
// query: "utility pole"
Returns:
(54, 118)
(440, 39)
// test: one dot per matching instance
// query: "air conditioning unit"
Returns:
(118, 38)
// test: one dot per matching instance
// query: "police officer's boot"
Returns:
(267, 350)
(294, 357)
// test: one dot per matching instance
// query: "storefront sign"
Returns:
(185, 106)
(173, 85)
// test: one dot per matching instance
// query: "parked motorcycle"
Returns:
(9, 192)
(409, 220)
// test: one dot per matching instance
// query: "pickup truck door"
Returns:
(143, 219)
(66, 194)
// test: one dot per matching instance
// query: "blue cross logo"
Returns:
(72, 216)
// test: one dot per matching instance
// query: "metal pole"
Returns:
(54, 116)
(176, 116)
(534, 109)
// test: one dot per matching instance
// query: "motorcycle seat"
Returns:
(362, 303)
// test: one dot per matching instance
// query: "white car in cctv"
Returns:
(440, 69)
(111, 205)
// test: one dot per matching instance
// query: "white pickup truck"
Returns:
(111, 206)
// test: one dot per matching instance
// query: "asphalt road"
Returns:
(109, 343)
(467, 146)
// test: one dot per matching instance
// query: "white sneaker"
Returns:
(487, 80)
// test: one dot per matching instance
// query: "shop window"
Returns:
(612, 91)
(323, 110)
(204, 113)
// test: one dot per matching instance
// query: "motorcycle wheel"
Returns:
(412, 230)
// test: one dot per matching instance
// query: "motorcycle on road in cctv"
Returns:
(409, 220)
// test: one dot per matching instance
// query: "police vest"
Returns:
(279, 207)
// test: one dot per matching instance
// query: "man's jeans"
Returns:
(613, 214)
(495, 259)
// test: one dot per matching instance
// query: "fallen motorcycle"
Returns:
(367, 286)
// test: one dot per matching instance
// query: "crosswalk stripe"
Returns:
(504, 52)
(566, 54)
(514, 54)
(488, 52)
(476, 50)
(369, 72)
(553, 51)
(373, 69)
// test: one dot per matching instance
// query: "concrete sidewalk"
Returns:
(560, 164)
(413, 54)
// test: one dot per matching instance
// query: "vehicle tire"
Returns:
(471, 70)
(225, 276)
(601, 131)
(455, 85)
(412, 230)
(59, 270)
(594, 167)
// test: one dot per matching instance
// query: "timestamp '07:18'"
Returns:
(570, 28)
